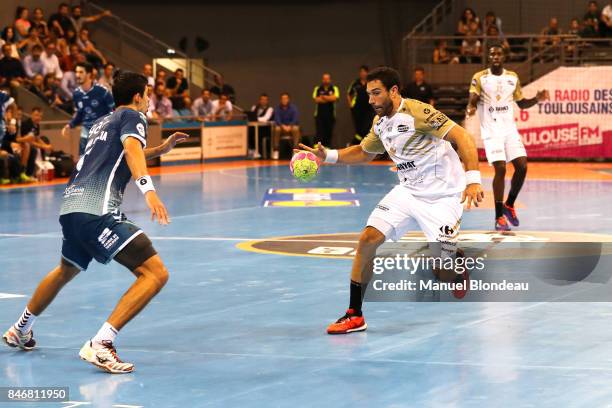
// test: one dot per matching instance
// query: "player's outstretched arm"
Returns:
(135, 157)
(350, 155)
(542, 95)
(469, 155)
(166, 147)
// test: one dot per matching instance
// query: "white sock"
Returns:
(106, 333)
(25, 322)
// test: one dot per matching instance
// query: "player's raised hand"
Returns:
(318, 150)
(543, 95)
(473, 194)
(158, 210)
(173, 140)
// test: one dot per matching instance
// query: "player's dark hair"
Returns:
(285, 93)
(37, 47)
(387, 75)
(86, 66)
(36, 109)
(495, 44)
(62, 5)
(419, 68)
(126, 85)
(263, 94)
(365, 68)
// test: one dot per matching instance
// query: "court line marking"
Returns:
(10, 296)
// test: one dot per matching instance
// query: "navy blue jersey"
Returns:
(98, 182)
(91, 105)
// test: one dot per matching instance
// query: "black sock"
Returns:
(511, 199)
(499, 209)
(356, 297)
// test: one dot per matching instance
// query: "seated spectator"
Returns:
(49, 58)
(11, 70)
(33, 63)
(60, 22)
(161, 76)
(93, 55)
(471, 47)
(186, 104)
(162, 107)
(222, 108)
(37, 86)
(573, 45)
(552, 29)
(8, 37)
(285, 123)
(606, 19)
(38, 21)
(22, 22)
(493, 31)
(16, 145)
(262, 109)
(492, 20)
(147, 70)
(177, 84)
(419, 89)
(64, 43)
(68, 61)
(51, 91)
(31, 127)
(463, 26)
(222, 88)
(25, 46)
(592, 21)
(202, 106)
(106, 80)
(78, 21)
(441, 55)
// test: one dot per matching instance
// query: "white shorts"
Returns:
(439, 218)
(503, 146)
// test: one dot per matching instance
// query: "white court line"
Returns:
(10, 296)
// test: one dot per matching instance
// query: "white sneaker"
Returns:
(275, 155)
(105, 358)
(15, 338)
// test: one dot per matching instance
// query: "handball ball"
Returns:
(304, 166)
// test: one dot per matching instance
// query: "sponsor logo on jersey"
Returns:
(94, 103)
(437, 122)
(382, 207)
(426, 111)
(403, 128)
(406, 165)
(511, 83)
(140, 129)
(474, 82)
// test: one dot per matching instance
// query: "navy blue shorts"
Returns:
(99, 237)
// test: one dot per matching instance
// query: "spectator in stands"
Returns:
(33, 64)
(106, 80)
(471, 47)
(262, 110)
(177, 84)
(285, 123)
(78, 21)
(185, 109)
(60, 22)
(419, 89)
(92, 54)
(37, 86)
(162, 107)
(551, 30)
(8, 37)
(441, 54)
(147, 70)
(160, 76)
(91, 102)
(38, 21)
(592, 20)
(492, 20)
(493, 31)
(11, 70)
(463, 26)
(606, 18)
(222, 88)
(22, 22)
(222, 108)
(64, 43)
(51, 91)
(202, 107)
(69, 60)
(25, 46)
(51, 61)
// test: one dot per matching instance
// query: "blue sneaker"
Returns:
(501, 224)
(510, 214)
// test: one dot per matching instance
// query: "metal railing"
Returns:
(432, 21)
(532, 55)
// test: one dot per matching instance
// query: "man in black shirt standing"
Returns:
(325, 97)
(419, 89)
(361, 110)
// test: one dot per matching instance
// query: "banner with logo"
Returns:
(574, 123)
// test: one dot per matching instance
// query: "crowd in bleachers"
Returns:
(472, 33)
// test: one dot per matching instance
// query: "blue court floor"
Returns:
(235, 328)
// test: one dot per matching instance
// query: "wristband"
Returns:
(145, 184)
(472, 177)
(331, 156)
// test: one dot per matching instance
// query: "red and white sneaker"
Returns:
(105, 357)
(510, 214)
(501, 224)
(14, 338)
(348, 323)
